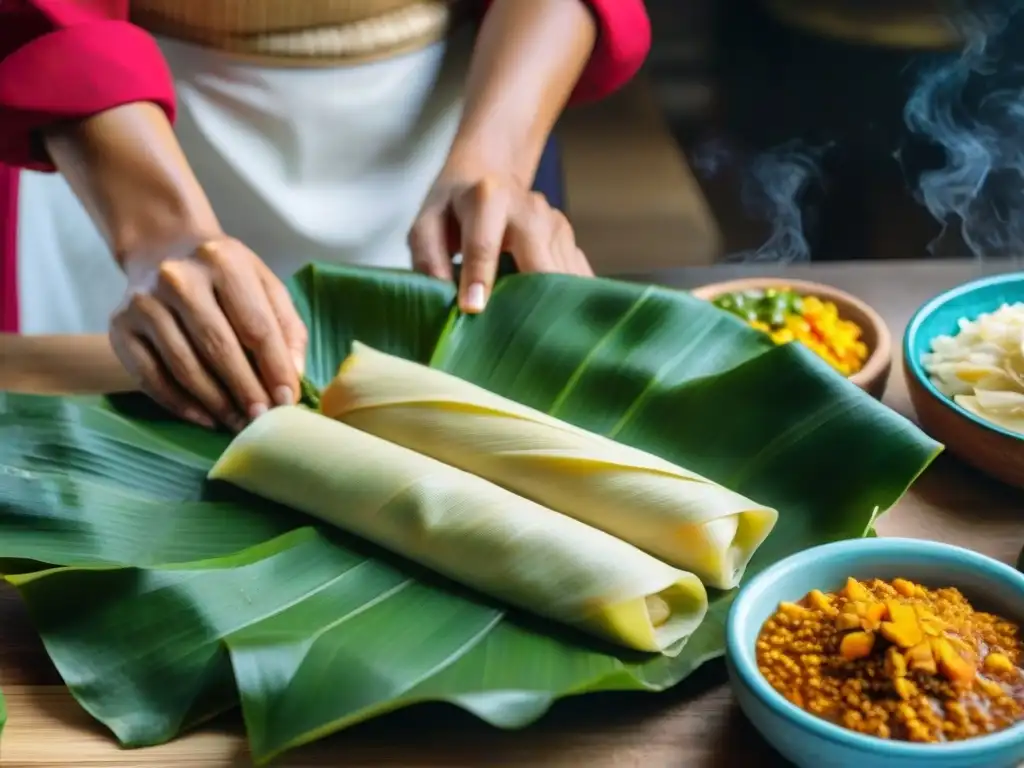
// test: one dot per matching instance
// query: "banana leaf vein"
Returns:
(164, 600)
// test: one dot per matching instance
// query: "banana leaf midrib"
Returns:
(675, 378)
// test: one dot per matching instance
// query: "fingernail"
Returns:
(300, 363)
(284, 396)
(236, 423)
(256, 410)
(199, 418)
(475, 299)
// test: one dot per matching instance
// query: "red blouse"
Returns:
(67, 59)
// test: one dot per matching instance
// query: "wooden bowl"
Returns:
(995, 451)
(874, 376)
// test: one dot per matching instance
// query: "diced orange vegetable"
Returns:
(856, 645)
(998, 663)
(855, 590)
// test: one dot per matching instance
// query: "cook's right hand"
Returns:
(209, 332)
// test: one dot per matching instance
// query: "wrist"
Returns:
(127, 168)
(478, 154)
(160, 225)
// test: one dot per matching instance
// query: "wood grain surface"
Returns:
(696, 724)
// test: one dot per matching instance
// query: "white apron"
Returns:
(300, 164)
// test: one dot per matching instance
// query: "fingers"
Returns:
(541, 239)
(530, 238)
(490, 217)
(191, 323)
(251, 321)
(482, 212)
(218, 347)
(186, 288)
(569, 258)
(151, 320)
(242, 295)
(296, 337)
(256, 326)
(428, 241)
(582, 263)
(145, 367)
(536, 235)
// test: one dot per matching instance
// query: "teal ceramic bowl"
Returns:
(991, 449)
(810, 742)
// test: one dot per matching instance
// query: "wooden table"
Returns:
(697, 724)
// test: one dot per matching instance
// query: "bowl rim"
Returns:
(744, 664)
(913, 364)
(881, 356)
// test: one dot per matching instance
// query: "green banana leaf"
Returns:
(163, 600)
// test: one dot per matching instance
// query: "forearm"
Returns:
(528, 56)
(127, 168)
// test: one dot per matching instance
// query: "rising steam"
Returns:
(773, 187)
(973, 107)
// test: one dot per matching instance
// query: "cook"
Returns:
(390, 133)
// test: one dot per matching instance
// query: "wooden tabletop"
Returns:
(696, 724)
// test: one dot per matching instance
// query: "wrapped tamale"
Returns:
(465, 528)
(677, 515)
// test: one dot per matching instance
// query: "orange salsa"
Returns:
(896, 660)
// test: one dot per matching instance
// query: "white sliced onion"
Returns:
(982, 366)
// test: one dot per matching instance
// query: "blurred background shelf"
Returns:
(633, 198)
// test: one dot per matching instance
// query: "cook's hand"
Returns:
(209, 332)
(483, 218)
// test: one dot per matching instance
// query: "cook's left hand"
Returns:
(481, 219)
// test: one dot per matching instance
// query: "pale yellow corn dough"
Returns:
(677, 515)
(466, 528)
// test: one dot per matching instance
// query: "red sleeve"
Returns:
(8, 249)
(68, 59)
(624, 39)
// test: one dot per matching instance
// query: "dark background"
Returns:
(727, 71)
